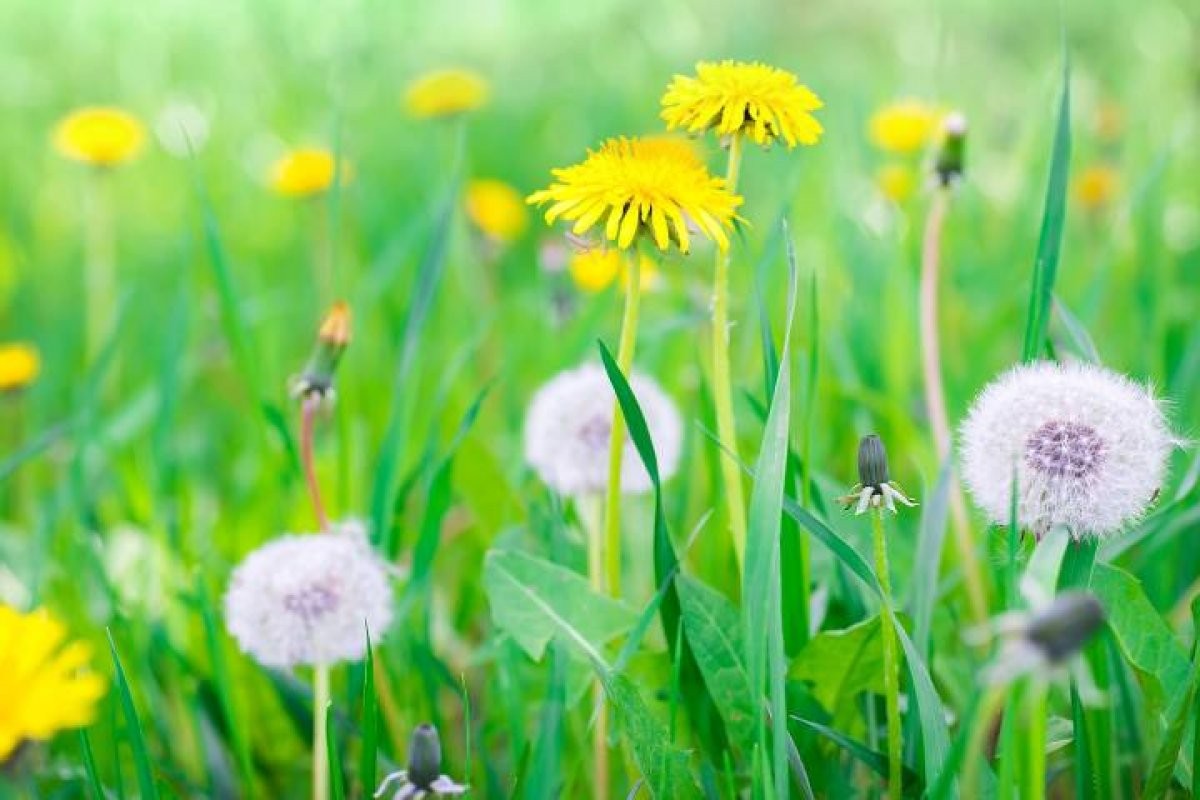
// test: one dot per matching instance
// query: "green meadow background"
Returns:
(180, 436)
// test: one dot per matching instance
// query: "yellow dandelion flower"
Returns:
(896, 182)
(654, 187)
(20, 365)
(47, 687)
(904, 127)
(593, 270)
(497, 209)
(445, 93)
(305, 172)
(1096, 186)
(732, 97)
(102, 137)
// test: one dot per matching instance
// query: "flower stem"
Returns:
(99, 260)
(722, 384)
(1035, 733)
(989, 707)
(616, 442)
(891, 661)
(590, 512)
(308, 411)
(935, 399)
(320, 755)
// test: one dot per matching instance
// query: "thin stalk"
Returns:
(989, 707)
(1035, 741)
(616, 442)
(590, 514)
(935, 398)
(722, 383)
(891, 661)
(99, 259)
(308, 411)
(320, 753)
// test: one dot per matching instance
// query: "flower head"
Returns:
(1045, 639)
(1087, 447)
(903, 127)
(47, 686)
(309, 599)
(1095, 187)
(951, 157)
(424, 777)
(182, 128)
(102, 137)
(19, 366)
(595, 269)
(333, 337)
(496, 209)
(731, 97)
(644, 186)
(896, 182)
(875, 486)
(445, 93)
(569, 422)
(305, 172)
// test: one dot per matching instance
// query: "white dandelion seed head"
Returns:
(182, 128)
(568, 424)
(309, 599)
(1087, 446)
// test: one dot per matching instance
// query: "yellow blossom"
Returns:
(496, 209)
(446, 92)
(731, 97)
(595, 269)
(904, 127)
(305, 172)
(896, 182)
(45, 681)
(102, 137)
(1095, 186)
(19, 366)
(655, 187)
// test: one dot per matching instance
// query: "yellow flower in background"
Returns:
(445, 93)
(730, 97)
(1096, 186)
(103, 137)
(46, 685)
(305, 172)
(594, 270)
(497, 209)
(649, 277)
(654, 187)
(896, 182)
(904, 127)
(20, 365)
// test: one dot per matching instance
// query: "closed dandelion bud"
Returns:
(1043, 643)
(952, 155)
(424, 756)
(332, 339)
(875, 488)
(1062, 628)
(872, 461)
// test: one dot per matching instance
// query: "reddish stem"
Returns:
(308, 412)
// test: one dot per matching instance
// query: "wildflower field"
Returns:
(612, 400)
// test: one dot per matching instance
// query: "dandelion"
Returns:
(952, 153)
(20, 366)
(734, 98)
(875, 487)
(496, 210)
(904, 127)
(99, 136)
(1086, 446)
(182, 128)
(896, 182)
(309, 599)
(570, 419)
(1096, 186)
(304, 172)
(595, 269)
(446, 93)
(333, 337)
(45, 679)
(1046, 639)
(641, 187)
(424, 777)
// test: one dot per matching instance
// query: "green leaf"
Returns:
(664, 766)
(223, 684)
(1081, 340)
(876, 761)
(89, 766)
(337, 782)
(841, 664)
(534, 601)
(133, 728)
(370, 723)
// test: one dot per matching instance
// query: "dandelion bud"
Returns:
(332, 339)
(424, 756)
(875, 487)
(872, 461)
(952, 155)
(1062, 628)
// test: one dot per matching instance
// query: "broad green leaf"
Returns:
(663, 765)
(842, 664)
(534, 600)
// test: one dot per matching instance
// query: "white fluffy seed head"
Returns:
(568, 424)
(309, 599)
(1088, 448)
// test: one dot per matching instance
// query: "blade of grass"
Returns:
(147, 788)
(368, 753)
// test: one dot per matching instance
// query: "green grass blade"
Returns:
(89, 766)
(223, 684)
(133, 728)
(337, 781)
(368, 754)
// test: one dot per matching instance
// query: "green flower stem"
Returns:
(1035, 740)
(891, 661)
(722, 383)
(590, 510)
(991, 705)
(320, 751)
(99, 258)
(616, 442)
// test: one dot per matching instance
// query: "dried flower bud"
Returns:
(1061, 629)
(875, 487)
(872, 461)
(424, 756)
(332, 339)
(952, 155)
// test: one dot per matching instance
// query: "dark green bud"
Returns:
(424, 757)
(332, 340)
(1062, 629)
(872, 462)
(951, 159)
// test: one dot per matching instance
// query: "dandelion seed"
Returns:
(1087, 447)
(496, 209)
(446, 93)
(306, 172)
(309, 599)
(424, 777)
(904, 127)
(645, 187)
(761, 102)
(46, 683)
(20, 365)
(568, 425)
(875, 487)
(100, 136)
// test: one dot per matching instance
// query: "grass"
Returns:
(133, 480)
